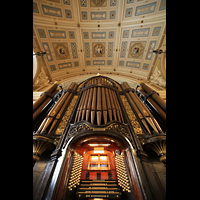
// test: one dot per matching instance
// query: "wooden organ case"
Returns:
(98, 129)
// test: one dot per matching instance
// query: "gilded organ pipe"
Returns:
(81, 106)
(99, 103)
(99, 106)
(44, 100)
(154, 96)
(112, 105)
(108, 104)
(143, 113)
(93, 108)
(54, 114)
(89, 104)
(104, 105)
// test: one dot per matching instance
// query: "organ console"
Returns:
(100, 108)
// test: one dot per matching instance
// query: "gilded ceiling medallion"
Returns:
(98, 50)
(98, 2)
(136, 49)
(61, 50)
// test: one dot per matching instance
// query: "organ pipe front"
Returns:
(99, 103)
(153, 102)
(154, 137)
(143, 113)
(46, 136)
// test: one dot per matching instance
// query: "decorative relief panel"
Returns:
(121, 63)
(68, 13)
(135, 124)
(67, 2)
(98, 62)
(71, 35)
(150, 50)
(65, 65)
(84, 15)
(117, 127)
(53, 67)
(110, 49)
(83, 3)
(129, 12)
(123, 49)
(140, 33)
(145, 66)
(76, 64)
(74, 50)
(113, 2)
(87, 49)
(98, 3)
(162, 5)
(98, 35)
(141, 10)
(98, 49)
(130, 1)
(157, 76)
(98, 15)
(57, 34)
(136, 49)
(86, 35)
(42, 33)
(48, 10)
(88, 62)
(66, 117)
(156, 31)
(47, 50)
(133, 64)
(125, 34)
(112, 14)
(109, 62)
(61, 50)
(111, 34)
(35, 7)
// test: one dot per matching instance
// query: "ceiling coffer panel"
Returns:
(99, 35)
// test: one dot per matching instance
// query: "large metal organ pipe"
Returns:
(44, 100)
(152, 100)
(143, 113)
(157, 139)
(99, 103)
(42, 138)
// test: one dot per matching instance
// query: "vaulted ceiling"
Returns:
(98, 36)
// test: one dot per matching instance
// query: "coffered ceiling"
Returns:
(98, 35)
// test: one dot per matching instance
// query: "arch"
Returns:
(121, 141)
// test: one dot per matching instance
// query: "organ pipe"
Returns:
(54, 114)
(154, 104)
(154, 96)
(44, 100)
(143, 113)
(99, 103)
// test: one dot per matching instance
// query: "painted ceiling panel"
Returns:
(93, 35)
